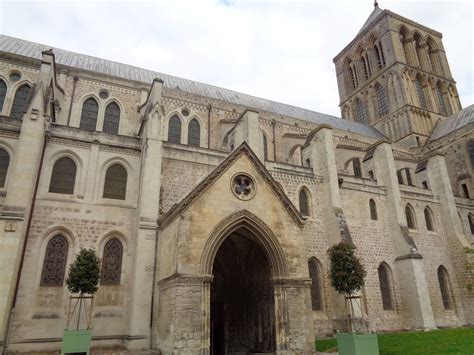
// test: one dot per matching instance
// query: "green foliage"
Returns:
(347, 272)
(84, 273)
(436, 342)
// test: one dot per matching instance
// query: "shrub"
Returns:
(84, 273)
(347, 272)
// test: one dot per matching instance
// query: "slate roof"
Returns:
(453, 123)
(375, 13)
(81, 61)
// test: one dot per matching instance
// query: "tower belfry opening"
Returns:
(242, 298)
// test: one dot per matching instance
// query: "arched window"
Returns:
(54, 264)
(4, 163)
(382, 100)
(433, 54)
(3, 93)
(360, 111)
(304, 202)
(90, 108)
(470, 152)
(442, 103)
(115, 184)
(174, 130)
(366, 67)
(112, 263)
(421, 94)
(429, 219)
(63, 176)
(194, 133)
(20, 101)
(470, 218)
(379, 54)
(316, 294)
(373, 210)
(111, 119)
(356, 167)
(385, 289)
(265, 147)
(443, 279)
(410, 215)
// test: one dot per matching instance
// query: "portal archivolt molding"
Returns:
(262, 233)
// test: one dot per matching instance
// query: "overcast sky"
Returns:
(279, 50)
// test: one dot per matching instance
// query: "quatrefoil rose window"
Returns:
(243, 186)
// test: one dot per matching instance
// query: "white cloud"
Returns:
(278, 50)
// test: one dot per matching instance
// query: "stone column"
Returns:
(409, 263)
(373, 61)
(411, 52)
(22, 179)
(141, 288)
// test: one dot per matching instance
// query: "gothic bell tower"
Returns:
(394, 75)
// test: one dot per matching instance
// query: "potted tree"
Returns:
(82, 282)
(347, 277)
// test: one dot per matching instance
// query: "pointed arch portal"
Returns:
(244, 258)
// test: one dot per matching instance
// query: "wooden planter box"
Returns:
(357, 344)
(76, 342)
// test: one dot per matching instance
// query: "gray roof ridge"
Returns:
(205, 89)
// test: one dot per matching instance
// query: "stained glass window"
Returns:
(3, 93)
(20, 101)
(410, 217)
(112, 263)
(90, 108)
(373, 210)
(174, 130)
(304, 203)
(112, 118)
(4, 163)
(63, 176)
(194, 133)
(360, 112)
(443, 279)
(315, 275)
(54, 265)
(384, 281)
(115, 184)
(429, 219)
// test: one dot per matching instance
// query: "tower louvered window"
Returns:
(444, 287)
(90, 108)
(174, 130)
(115, 184)
(3, 93)
(63, 176)
(373, 210)
(194, 133)
(304, 203)
(20, 101)
(112, 263)
(470, 152)
(4, 163)
(315, 275)
(421, 94)
(442, 104)
(385, 291)
(112, 118)
(382, 100)
(360, 112)
(54, 265)
(470, 219)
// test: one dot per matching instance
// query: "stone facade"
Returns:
(217, 225)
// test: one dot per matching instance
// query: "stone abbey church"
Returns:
(213, 210)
